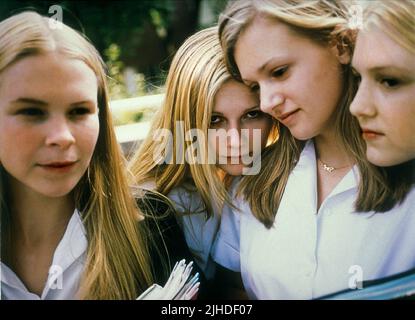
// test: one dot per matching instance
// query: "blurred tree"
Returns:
(143, 35)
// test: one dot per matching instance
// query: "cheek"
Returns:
(87, 136)
(18, 140)
(319, 87)
(213, 143)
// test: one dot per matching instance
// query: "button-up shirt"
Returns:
(310, 252)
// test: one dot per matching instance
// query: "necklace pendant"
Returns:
(328, 168)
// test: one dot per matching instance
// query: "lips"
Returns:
(369, 134)
(284, 116)
(61, 164)
(58, 167)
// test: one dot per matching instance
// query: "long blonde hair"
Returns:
(395, 18)
(323, 22)
(117, 263)
(196, 74)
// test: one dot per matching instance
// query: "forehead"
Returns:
(49, 73)
(260, 31)
(233, 96)
(266, 39)
(374, 48)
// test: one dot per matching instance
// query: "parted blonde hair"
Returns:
(117, 263)
(322, 21)
(195, 76)
(395, 18)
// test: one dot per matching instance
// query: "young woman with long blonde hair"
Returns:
(70, 226)
(320, 217)
(201, 97)
(384, 62)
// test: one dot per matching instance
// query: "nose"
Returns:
(233, 137)
(59, 133)
(363, 104)
(234, 140)
(270, 98)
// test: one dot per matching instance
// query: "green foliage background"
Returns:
(142, 35)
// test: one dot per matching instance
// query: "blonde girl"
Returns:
(384, 63)
(310, 223)
(200, 97)
(70, 226)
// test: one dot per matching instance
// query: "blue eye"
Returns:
(31, 112)
(390, 82)
(254, 87)
(81, 111)
(253, 114)
(215, 120)
(279, 72)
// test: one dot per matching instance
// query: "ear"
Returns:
(342, 53)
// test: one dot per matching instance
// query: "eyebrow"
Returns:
(275, 59)
(247, 110)
(30, 100)
(386, 68)
(44, 103)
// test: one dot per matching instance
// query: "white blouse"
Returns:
(309, 253)
(64, 274)
(199, 232)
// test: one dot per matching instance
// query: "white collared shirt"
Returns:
(199, 232)
(308, 254)
(64, 274)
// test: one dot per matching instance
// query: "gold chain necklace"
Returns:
(330, 169)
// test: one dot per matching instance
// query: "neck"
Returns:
(332, 151)
(38, 219)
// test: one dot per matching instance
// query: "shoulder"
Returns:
(165, 238)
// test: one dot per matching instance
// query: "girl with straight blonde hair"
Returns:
(70, 226)
(318, 206)
(384, 62)
(202, 97)
(392, 22)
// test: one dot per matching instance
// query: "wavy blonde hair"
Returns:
(395, 18)
(117, 263)
(323, 22)
(195, 76)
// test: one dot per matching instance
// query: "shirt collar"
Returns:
(72, 245)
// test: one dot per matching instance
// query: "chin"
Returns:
(384, 159)
(57, 192)
(232, 170)
(302, 136)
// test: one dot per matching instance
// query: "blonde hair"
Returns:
(323, 22)
(196, 74)
(395, 18)
(117, 263)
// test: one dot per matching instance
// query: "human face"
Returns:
(299, 80)
(385, 101)
(48, 123)
(236, 111)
